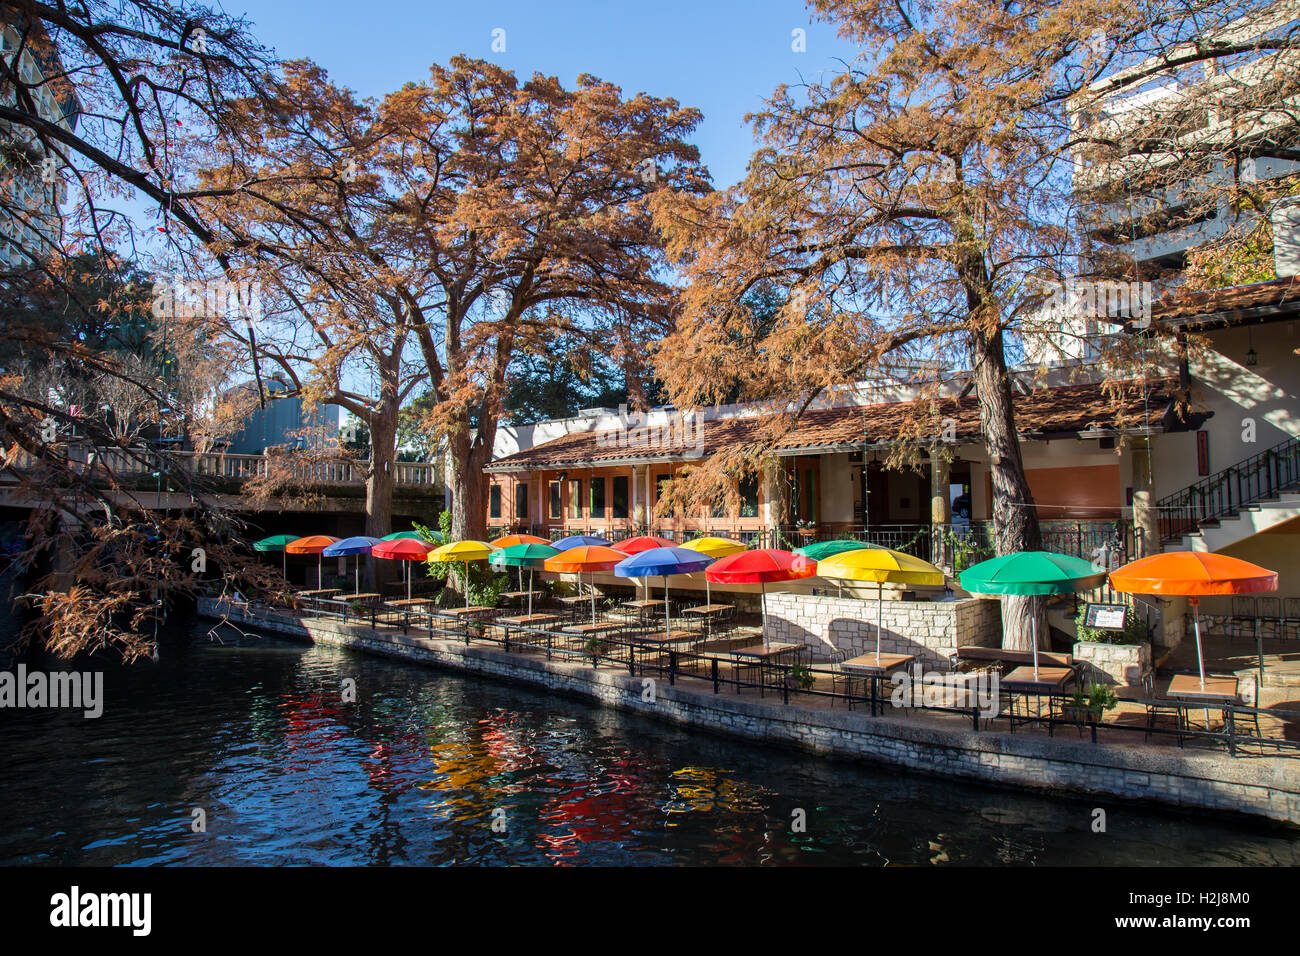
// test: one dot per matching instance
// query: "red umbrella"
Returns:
(760, 567)
(403, 549)
(639, 543)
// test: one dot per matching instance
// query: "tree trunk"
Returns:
(379, 487)
(1015, 519)
(468, 488)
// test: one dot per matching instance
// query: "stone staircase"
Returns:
(1244, 499)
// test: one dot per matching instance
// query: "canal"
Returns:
(428, 768)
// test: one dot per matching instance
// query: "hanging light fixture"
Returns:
(1252, 357)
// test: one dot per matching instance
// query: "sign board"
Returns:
(1106, 617)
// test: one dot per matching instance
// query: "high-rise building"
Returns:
(29, 175)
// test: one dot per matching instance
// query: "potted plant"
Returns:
(1088, 703)
(357, 608)
(799, 677)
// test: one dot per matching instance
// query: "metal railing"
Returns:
(1224, 493)
(720, 671)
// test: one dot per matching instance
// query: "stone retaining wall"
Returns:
(1261, 786)
(931, 630)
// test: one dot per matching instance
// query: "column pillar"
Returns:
(640, 514)
(776, 497)
(1144, 515)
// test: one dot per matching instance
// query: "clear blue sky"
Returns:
(722, 56)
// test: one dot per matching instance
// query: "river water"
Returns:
(427, 767)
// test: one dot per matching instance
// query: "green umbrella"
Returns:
(529, 555)
(276, 543)
(1030, 573)
(821, 550)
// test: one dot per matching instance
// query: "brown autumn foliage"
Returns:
(80, 423)
(425, 241)
(914, 212)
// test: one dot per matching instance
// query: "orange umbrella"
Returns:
(510, 540)
(585, 557)
(1192, 574)
(312, 544)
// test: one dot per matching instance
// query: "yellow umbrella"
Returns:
(883, 566)
(714, 548)
(462, 552)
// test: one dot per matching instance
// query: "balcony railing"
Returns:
(221, 465)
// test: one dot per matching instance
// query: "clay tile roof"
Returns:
(1062, 410)
(1237, 298)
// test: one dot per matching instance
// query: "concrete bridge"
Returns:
(322, 496)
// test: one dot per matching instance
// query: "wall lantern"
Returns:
(1252, 357)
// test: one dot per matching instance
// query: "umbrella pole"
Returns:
(408, 580)
(1196, 628)
(284, 564)
(762, 588)
(593, 595)
(319, 571)
(357, 569)
(668, 633)
(1033, 628)
(530, 591)
(880, 604)
(465, 565)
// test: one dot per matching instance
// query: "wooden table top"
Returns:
(361, 596)
(643, 603)
(521, 594)
(674, 637)
(411, 602)
(1048, 677)
(526, 619)
(708, 609)
(465, 611)
(595, 628)
(771, 650)
(882, 663)
(1216, 687)
(319, 592)
(575, 599)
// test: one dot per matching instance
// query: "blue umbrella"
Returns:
(661, 562)
(577, 541)
(359, 545)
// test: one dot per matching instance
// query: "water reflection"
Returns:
(416, 770)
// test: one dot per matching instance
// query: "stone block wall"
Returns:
(931, 630)
(1125, 665)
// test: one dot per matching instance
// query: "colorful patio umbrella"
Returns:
(1031, 573)
(277, 542)
(662, 563)
(403, 549)
(821, 550)
(529, 554)
(412, 535)
(577, 541)
(762, 567)
(462, 552)
(1193, 574)
(881, 565)
(358, 546)
(312, 544)
(714, 548)
(585, 557)
(639, 543)
(509, 541)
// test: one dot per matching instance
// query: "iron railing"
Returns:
(1224, 493)
(720, 671)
